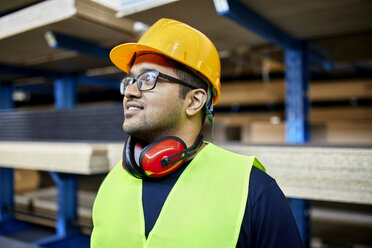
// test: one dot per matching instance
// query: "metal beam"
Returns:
(251, 20)
(62, 41)
(297, 105)
(297, 56)
(25, 72)
(297, 116)
(100, 82)
(6, 195)
(66, 234)
(6, 96)
(65, 92)
(35, 88)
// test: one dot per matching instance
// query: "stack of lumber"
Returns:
(314, 173)
(26, 180)
(333, 124)
(76, 158)
(22, 32)
(258, 92)
(114, 153)
(89, 123)
(317, 173)
(45, 207)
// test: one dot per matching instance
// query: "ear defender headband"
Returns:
(157, 159)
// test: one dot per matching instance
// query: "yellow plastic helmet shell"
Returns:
(177, 41)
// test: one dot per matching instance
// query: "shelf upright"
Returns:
(297, 55)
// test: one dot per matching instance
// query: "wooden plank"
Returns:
(332, 132)
(341, 89)
(105, 16)
(349, 132)
(258, 92)
(265, 132)
(54, 11)
(317, 173)
(240, 119)
(255, 92)
(269, 133)
(79, 158)
(322, 115)
(318, 115)
(26, 180)
(45, 207)
(22, 33)
(35, 16)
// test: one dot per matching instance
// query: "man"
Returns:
(172, 189)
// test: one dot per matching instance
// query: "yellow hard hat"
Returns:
(177, 41)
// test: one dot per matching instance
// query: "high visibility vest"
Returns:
(205, 207)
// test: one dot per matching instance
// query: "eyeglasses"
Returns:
(147, 81)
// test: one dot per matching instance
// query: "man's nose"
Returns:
(132, 91)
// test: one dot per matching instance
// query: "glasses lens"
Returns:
(125, 83)
(146, 81)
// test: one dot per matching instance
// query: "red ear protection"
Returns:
(157, 159)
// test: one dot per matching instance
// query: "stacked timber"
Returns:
(333, 119)
(89, 123)
(317, 173)
(75, 158)
(22, 33)
(26, 180)
(258, 92)
(45, 207)
(314, 173)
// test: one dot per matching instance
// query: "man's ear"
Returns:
(195, 100)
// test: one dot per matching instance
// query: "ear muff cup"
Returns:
(129, 163)
(151, 157)
(159, 158)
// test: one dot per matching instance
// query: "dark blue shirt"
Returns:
(268, 221)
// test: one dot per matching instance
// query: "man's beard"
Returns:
(152, 130)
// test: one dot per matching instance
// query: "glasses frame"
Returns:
(158, 74)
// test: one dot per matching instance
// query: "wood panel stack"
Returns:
(22, 33)
(331, 122)
(88, 123)
(77, 158)
(26, 180)
(317, 173)
(44, 206)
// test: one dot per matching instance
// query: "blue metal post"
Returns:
(6, 174)
(297, 56)
(297, 122)
(65, 92)
(6, 96)
(7, 222)
(297, 100)
(6, 194)
(66, 234)
(67, 201)
(248, 18)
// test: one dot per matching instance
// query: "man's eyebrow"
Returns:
(142, 70)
